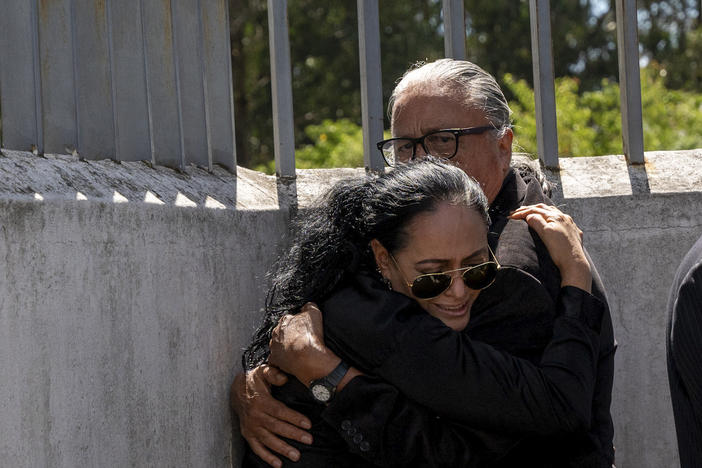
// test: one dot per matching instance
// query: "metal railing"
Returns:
(146, 80)
(120, 79)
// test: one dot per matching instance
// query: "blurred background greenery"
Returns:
(326, 86)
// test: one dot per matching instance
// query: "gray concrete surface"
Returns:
(122, 316)
(639, 221)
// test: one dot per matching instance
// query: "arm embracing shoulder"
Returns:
(453, 376)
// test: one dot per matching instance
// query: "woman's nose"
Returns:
(457, 288)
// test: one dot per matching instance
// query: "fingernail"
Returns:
(307, 439)
(305, 424)
(294, 455)
(278, 464)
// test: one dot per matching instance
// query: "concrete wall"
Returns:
(123, 315)
(638, 223)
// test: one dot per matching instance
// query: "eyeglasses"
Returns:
(441, 144)
(431, 285)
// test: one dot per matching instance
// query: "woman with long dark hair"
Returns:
(420, 231)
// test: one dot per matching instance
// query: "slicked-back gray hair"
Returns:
(464, 78)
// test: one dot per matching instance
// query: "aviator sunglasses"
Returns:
(430, 285)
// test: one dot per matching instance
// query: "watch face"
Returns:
(321, 393)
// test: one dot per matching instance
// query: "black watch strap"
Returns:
(337, 374)
(323, 389)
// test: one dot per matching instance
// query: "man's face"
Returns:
(483, 157)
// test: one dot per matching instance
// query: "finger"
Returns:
(278, 427)
(315, 318)
(277, 445)
(282, 412)
(283, 322)
(275, 333)
(524, 212)
(274, 357)
(311, 314)
(312, 309)
(274, 376)
(537, 222)
(539, 207)
(542, 209)
(264, 454)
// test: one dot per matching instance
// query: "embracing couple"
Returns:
(457, 320)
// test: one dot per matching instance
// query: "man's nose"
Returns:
(419, 151)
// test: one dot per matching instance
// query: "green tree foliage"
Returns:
(589, 123)
(671, 36)
(499, 38)
(325, 65)
(334, 143)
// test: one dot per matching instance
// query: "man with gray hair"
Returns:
(455, 110)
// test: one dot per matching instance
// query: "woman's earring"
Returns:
(387, 283)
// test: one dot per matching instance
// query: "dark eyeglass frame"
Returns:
(412, 285)
(457, 132)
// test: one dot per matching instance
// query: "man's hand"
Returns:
(297, 346)
(262, 418)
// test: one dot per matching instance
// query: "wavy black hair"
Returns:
(331, 239)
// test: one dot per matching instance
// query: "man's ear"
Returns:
(382, 257)
(504, 144)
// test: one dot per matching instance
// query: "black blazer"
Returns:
(684, 351)
(451, 377)
(374, 423)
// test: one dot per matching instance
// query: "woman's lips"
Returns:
(456, 310)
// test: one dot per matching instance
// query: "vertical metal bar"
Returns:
(36, 55)
(371, 84)
(129, 87)
(145, 81)
(217, 68)
(186, 27)
(161, 83)
(176, 67)
(203, 77)
(93, 81)
(454, 29)
(57, 90)
(281, 88)
(111, 67)
(544, 90)
(74, 56)
(629, 81)
(17, 68)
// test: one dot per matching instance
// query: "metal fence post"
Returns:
(19, 85)
(629, 81)
(371, 84)
(544, 93)
(454, 29)
(281, 88)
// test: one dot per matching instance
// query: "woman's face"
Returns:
(448, 238)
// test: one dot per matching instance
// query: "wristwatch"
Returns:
(323, 389)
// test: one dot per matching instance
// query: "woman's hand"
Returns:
(564, 241)
(297, 346)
